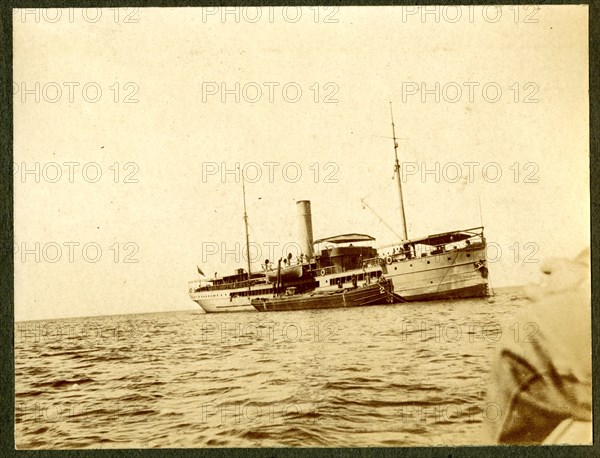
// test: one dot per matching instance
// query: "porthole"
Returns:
(468, 255)
(428, 262)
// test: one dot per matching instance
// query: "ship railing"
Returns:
(231, 285)
(472, 242)
(373, 262)
(422, 250)
(299, 261)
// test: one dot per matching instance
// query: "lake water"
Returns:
(389, 375)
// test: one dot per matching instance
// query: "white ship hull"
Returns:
(450, 275)
(228, 300)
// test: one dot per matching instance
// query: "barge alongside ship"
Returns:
(356, 296)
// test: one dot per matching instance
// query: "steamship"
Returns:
(448, 265)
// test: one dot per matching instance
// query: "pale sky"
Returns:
(174, 64)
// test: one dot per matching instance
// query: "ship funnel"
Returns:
(305, 232)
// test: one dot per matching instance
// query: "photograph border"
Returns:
(7, 373)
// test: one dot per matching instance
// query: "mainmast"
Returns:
(397, 171)
(246, 227)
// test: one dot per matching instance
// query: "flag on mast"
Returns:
(200, 271)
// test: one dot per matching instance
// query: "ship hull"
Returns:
(228, 300)
(224, 305)
(239, 299)
(455, 274)
(467, 292)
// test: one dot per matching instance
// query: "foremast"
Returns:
(399, 179)
(246, 229)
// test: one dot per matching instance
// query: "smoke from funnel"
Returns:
(305, 232)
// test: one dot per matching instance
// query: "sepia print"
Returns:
(301, 226)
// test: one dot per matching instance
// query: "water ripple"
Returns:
(340, 377)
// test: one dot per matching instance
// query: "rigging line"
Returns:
(381, 220)
(383, 186)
